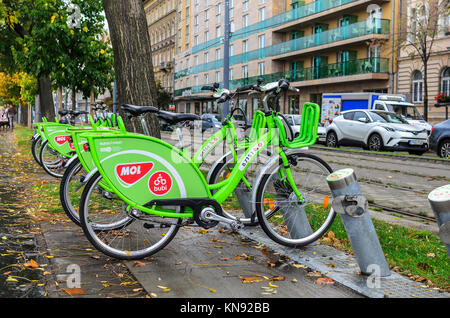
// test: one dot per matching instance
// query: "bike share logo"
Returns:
(130, 173)
(160, 183)
(61, 140)
(207, 148)
(250, 155)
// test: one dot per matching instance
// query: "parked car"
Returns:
(376, 130)
(295, 121)
(440, 139)
(210, 121)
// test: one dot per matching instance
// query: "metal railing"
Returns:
(354, 30)
(348, 68)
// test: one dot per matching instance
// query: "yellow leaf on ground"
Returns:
(250, 279)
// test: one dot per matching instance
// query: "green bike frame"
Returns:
(140, 169)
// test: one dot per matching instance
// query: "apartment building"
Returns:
(162, 27)
(411, 69)
(319, 46)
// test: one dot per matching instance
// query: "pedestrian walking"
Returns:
(11, 115)
(3, 119)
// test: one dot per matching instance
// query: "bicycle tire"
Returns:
(35, 145)
(275, 223)
(64, 188)
(120, 236)
(56, 164)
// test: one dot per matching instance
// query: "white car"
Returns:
(376, 130)
(295, 120)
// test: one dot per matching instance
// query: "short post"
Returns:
(294, 215)
(439, 200)
(244, 198)
(352, 207)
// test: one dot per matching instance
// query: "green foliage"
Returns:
(164, 98)
(74, 56)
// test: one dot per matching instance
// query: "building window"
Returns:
(445, 81)
(245, 46)
(261, 68)
(416, 89)
(245, 71)
(262, 14)
(294, 105)
(218, 77)
(262, 41)
(206, 57)
(218, 54)
(244, 5)
(245, 21)
(218, 32)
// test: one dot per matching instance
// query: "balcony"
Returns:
(355, 70)
(165, 66)
(317, 10)
(358, 32)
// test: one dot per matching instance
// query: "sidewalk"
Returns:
(196, 264)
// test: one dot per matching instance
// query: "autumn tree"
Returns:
(420, 29)
(61, 42)
(132, 58)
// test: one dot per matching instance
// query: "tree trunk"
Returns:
(74, 99)
(425, 90)
(132, 58)
(47, 108)
(59, 101)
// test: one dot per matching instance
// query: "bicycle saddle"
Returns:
(78, 112)
(134, 110)
(63, 112)
(173, 118)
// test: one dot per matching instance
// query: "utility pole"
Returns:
(226, 56)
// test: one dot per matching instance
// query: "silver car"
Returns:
(376, 130)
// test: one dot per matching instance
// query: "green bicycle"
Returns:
(157, 189)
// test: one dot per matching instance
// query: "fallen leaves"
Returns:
(324, 281)
(139, 264)
(250, 279)
(31, 264)
(74, 291)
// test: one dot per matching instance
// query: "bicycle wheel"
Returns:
(68, 192)
(233, 205)
(117, 232)
(52, 161)
(282, 216)
(36, 145)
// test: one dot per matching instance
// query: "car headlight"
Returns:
(389, 128)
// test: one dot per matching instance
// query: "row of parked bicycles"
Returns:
(131, 192)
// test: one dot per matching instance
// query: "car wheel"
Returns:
(332, 140)
(444, 149)
(375, 142)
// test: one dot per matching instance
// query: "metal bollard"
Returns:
(245, 201)
(439, 200)
(352, 207)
